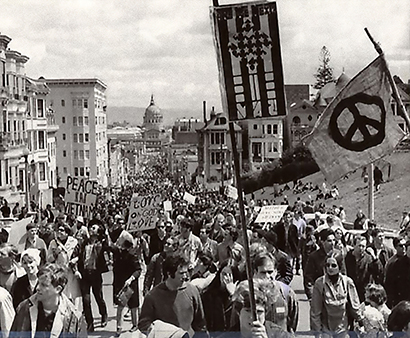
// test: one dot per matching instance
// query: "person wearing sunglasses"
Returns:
(335, 302)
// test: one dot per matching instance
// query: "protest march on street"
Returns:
(285, 214)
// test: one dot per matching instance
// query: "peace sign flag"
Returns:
(357, 127)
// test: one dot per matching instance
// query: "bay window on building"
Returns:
(42, 171)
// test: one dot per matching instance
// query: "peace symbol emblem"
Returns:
(364, 132)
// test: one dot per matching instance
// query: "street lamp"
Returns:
(26, 152)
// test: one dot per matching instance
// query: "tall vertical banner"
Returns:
(249, 59)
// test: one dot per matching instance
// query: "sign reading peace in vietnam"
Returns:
(143, 212)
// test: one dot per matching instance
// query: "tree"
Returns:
(324, 73)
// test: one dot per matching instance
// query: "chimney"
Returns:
(204, 111)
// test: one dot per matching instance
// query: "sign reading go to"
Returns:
(271, 213)
(143, 212)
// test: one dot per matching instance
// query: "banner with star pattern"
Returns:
(249, 59)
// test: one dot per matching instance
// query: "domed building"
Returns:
(153, 118)
(155, 136)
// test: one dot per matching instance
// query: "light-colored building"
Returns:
(41, 130)
(13, 106)
(155, 136)
(27, 138)
(80, 111)
(265, 139)
(215, 157)
(126, 150)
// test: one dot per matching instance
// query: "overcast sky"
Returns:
(165, 47)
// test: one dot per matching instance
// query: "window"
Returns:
(255, 126)
(81, 154)
(76, 154)
(86, 137)
(87, 154)
(86, 120)
(269, 129)
(63, 119)
(81, 171)
(65, 170)
(75, 138)
(87, 171)
(85, 102)
(41, 139)
(63, 105)
(40, 108)
(80, 138)
(64, 137)
(74, 103)
(75, 171)
(80, 121)
(42, 171)
(275, 129)
(74, 120)
(64, 153)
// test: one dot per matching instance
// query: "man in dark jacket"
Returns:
(363, 266)
(397, 279)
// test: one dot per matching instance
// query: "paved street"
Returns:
(110, 329)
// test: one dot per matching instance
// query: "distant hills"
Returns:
(135, 115)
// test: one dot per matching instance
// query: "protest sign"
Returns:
(80, 196)
(231, 192)
(189, 198)
(167, 205)
(271, 213)
(143, 212)
(17, 230)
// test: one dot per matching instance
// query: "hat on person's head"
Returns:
(318, 214)
(32, 253)
(31, 225)
(80, 219)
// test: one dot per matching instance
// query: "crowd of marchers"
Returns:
(187, 276)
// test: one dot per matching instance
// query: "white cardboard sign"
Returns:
(143, 212)
(271, 213)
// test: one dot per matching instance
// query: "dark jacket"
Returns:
(288, 243)
(21, 290)
(363, 271)
(397, 280)
(101, 247)
(284, 267)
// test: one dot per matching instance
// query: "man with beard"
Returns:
(174, 301)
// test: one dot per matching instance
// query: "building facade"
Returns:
(80, 110)
(155, 136)
(27, 136)
(215, 156)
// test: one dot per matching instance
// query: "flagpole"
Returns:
(249, 273)
(395, 93)
(370, 196)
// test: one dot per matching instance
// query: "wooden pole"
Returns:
(243, 220)
(395, 93)
(370, 196)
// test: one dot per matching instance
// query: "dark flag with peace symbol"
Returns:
(358, 126)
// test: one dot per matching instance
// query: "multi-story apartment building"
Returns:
(80, 111)
(27, 136)
(41, 131)
(215, 157)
